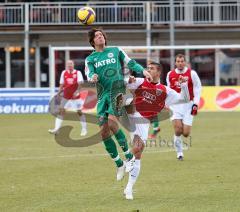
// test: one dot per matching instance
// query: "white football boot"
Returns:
(130, 164)
(128, 193)
(121, 171)
(83, 132)
(180, 156)
(53, 131)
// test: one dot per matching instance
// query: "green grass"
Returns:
(37, 174)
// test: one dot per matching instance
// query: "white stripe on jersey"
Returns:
(126, 58)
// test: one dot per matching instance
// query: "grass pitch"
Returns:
(37, 174)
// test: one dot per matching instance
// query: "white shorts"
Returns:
(140, 126)
(183, 112)
(72, 104)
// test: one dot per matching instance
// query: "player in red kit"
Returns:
(182, 117)
(70, 84)
(149, 99)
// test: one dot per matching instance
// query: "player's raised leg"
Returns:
(122, 141)
(111, 148)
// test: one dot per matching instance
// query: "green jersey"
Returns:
(108, 66)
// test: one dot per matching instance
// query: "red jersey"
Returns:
(174, 81)
(70, 81)
(150, 98)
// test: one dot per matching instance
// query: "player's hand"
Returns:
(194, 110)
(147, 75)
(95, 78)
(132, 79)
(59, 93)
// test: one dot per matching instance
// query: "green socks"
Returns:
(112, 151)
(123, 144)
(111, 148)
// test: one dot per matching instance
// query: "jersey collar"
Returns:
(153, 82)
(181, 71)
(73, 72)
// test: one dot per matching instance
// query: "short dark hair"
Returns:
(158, 65)
(180, 56)
(91, 36)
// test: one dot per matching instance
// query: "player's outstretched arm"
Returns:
(133, 83)
(130, 63)
(184, 92)
(197, 87)
(177, 98)
(133, 65)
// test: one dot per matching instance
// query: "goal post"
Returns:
(53, 49)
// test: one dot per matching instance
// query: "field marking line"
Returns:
(73, 156)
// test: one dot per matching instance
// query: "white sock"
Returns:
(83, 122)
(178, 145)
(133, 175)
(58, 122)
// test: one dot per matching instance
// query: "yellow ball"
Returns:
(86, 15)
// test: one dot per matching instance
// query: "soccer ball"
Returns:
(86, 15)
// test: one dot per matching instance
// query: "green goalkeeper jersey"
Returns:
(108, 66)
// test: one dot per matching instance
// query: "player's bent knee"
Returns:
(105, 131)
(138, 147)
(113, 125)
(137, 152)
(178, 127)
(186, 130)
(186, 134)
(105, 134)
(178, 130)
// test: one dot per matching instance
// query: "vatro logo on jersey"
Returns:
(110, 55)
(104, 62)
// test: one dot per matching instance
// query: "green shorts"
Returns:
(109, 101)
(108, 104)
